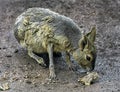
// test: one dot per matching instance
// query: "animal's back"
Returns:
(37, 23)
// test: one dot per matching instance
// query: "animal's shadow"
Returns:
(45, 56)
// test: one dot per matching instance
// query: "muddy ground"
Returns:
(24, 74)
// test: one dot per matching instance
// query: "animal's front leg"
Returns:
(70, 65)
(51, 64)
(37, 58)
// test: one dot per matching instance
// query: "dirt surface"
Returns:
(23, 74)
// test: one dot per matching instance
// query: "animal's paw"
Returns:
(72, 68)
(52, 75)
(41, 62)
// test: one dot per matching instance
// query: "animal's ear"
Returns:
(91, 35)
(84, 43)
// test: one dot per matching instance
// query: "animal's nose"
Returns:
(90, 69)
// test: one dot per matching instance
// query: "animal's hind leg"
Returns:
(37, 58)
(51, 64)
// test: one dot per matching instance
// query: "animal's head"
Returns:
(85, 55)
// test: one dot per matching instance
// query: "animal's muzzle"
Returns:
(91, 69)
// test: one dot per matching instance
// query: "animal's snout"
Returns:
(89, 69)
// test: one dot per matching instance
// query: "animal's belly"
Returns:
(38, 48)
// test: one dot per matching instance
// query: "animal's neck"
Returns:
(71, 50)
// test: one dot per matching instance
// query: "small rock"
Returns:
(4, 77)
(65, 82)
(37, 76)
(26, 76)
(101, 87)
(35, 85)
(4, 87)
(16, 51)
(0, 62)
(118, 90)
(75, 85)
(4, 47)
(9, 55)
(28, 82)
(20, 81)
(15, 79)
(50, 88)
(43, 83)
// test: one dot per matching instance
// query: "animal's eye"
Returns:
(88, 58)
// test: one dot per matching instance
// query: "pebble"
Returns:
(4, 87)
(16, 51)
(0, 62)
(4, 47)
(8, 55)
(28, 82)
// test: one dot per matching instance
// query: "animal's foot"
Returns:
(52, 75)
(41, 62)
(72, 67)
